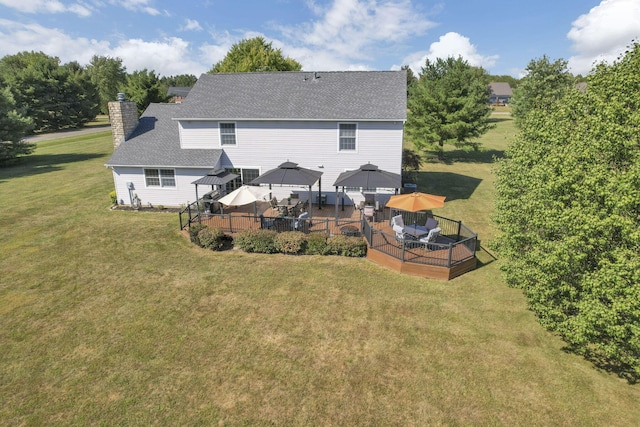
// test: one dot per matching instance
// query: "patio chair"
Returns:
(274, 203)
(369, 212)
(431, 238)
(302, 223)
(431, 224)
(403, 237)
(266, 223)
(397, 220)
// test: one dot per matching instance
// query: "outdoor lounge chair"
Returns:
(431, 224)
(302, 222)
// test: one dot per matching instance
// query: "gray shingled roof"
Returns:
(299, 95)
(155, 142)
(501, 89)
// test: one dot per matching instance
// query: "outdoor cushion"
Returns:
(431, 224)
(432, 236)
(397, 220)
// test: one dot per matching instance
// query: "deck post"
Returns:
(230, 223)
(450, 254)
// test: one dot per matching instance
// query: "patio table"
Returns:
(416, 231)
(288, 203)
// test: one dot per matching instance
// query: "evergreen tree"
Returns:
(13, 128)
(449, 104)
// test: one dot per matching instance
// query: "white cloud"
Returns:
(137, 6)
(450, 44)
(348, 30)
(169, 56)
(46, 6)
(191, 25)
(603, 33)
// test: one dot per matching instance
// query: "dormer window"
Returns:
(227, 134)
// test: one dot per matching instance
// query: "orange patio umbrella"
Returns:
(415, 202)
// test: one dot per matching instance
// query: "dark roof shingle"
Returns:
(299, 95)
(156, 142)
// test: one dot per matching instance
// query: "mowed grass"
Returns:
(113, 318)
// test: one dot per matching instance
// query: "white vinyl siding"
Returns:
(227, 134)
(347, 138)
(264, 145)
(197, 134)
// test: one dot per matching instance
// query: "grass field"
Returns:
(113, 318)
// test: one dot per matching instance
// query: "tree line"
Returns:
(40, 94)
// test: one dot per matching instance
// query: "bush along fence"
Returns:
(271, 242)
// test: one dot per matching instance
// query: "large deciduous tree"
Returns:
(13, 128)
(144, 87)
(255, 54)
(449, 104)
(568, 214)
(544, 83)
(107, 74)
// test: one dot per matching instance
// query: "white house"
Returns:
(249, 123)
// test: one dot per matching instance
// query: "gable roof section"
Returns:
(298, 95)
(155, 142)
(501, 89)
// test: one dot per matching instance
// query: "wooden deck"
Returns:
(385, 249)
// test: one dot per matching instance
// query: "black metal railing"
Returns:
(456, 242)
(189, 215)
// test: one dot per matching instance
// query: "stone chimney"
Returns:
(123, 116)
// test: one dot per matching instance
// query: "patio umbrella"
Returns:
(414, 202)
(244, 195)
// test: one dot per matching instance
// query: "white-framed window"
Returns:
(160, 178)
(347, 137)
(245, 176)
(227, 134)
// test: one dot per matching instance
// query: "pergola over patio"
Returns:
(217, 177)
(289, 173)
(367, 176)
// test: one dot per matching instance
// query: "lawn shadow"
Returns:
(455, 186)
(37, 164)
(484, 257)
(622, 370)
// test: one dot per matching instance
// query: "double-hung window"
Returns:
(227, 134)
(160, 177)
(347, 137)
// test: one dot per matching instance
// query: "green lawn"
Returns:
(113, 318)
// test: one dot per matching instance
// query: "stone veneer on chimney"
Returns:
(123, 116)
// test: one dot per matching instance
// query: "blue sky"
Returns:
(188, 37)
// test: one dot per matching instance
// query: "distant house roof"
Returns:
(298, 95)
(501, 89)
(156, 143)
(181, 91)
